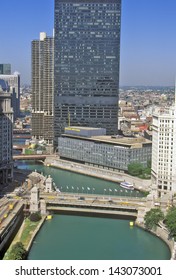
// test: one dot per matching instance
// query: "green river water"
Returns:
(67, 237)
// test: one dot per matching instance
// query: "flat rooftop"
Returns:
(78, 128)
(129, 141)
(116, 140)
(83, 131)
(122, 141)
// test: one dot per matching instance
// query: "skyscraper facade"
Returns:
(43, 87)
(87, 55)
(164, 151)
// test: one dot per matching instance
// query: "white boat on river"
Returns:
(127, 185)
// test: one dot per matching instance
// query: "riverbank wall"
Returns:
(98, 172)
(18, 234)
(35, 233)
(164, 235)
(11, 227)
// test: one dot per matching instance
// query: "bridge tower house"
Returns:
(49, 184)
(34, 201)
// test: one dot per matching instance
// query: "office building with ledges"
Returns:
(91, 146)
(164, 151)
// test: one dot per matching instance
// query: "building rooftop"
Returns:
(164, 111)
(116, 140)
(82, 131)
(79, 128)
(123, 141)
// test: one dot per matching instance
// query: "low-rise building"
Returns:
(114, 152)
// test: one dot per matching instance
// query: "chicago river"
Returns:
(96, 238)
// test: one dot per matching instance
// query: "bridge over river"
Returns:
(30, 157)
(131, 206)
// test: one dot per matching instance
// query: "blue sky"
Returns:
(148, 38)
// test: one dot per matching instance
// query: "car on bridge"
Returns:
(81, 198)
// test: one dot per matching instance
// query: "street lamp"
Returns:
(110, 192)
(137, 192)
(121, 191)
(73, 190)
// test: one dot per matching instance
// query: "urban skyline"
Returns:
(74, 119)
(147, 38)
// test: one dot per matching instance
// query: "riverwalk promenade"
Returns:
(98, 172)
(94, 203)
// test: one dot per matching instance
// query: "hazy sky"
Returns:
(148, 38)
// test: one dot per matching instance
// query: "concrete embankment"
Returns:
(35, 233)
(162, 234)
(98, 172)
(10, 227)
(18, 237)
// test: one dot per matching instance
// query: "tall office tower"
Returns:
(12, 83)
(43, 87)
(5, 69)
(6, 126)
(87, 54)
(164, 151)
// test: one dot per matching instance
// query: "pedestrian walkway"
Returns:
(106, 174)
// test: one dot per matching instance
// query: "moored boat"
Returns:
(127, 185)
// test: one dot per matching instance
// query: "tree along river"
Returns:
(91, 238)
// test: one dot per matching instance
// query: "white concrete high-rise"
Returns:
(43, 87)
(164, 151)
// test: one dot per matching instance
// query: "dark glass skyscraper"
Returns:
(87, 55)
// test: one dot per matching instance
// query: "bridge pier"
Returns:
(140, 215)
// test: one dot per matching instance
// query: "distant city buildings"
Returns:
(11, 83)
(43, 87)
(92, 146)
(5, 69)
(87, 55)
(6, 126)
(164, 151)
